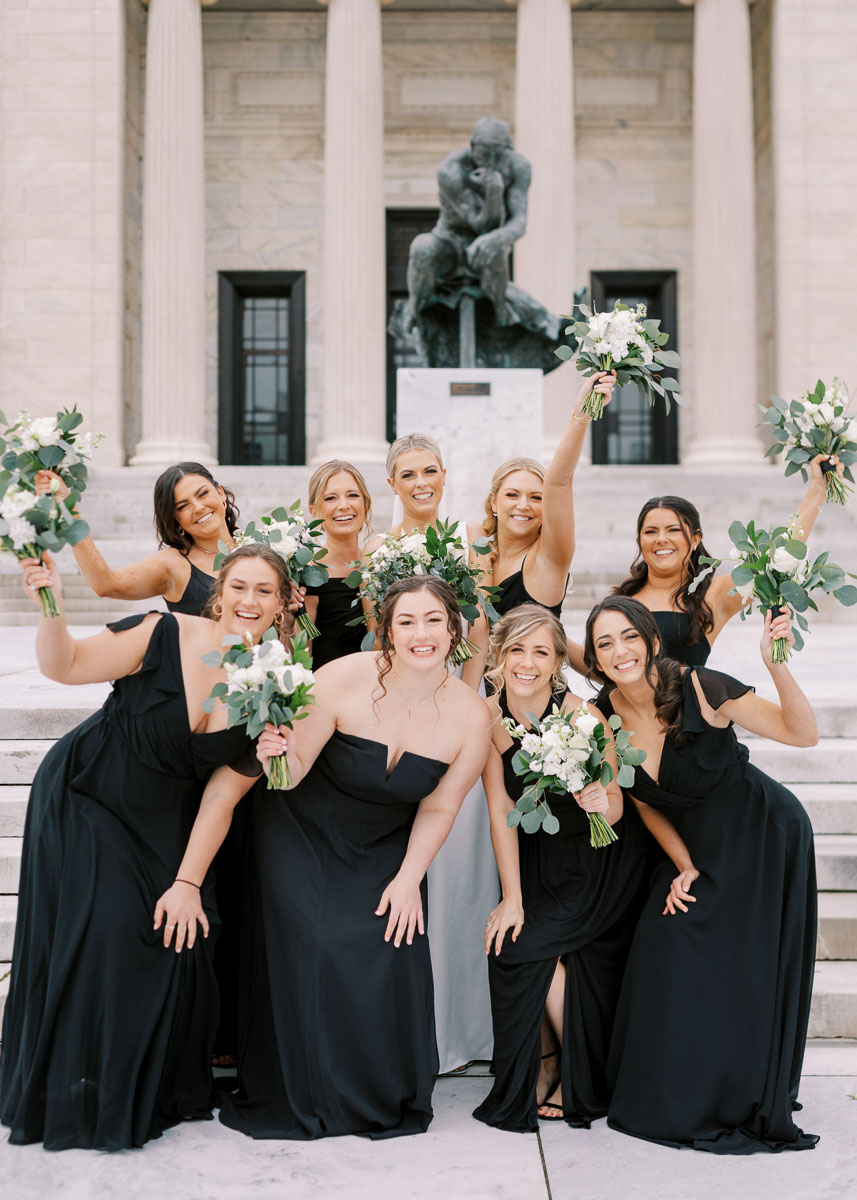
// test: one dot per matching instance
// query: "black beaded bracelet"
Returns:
(188, 882)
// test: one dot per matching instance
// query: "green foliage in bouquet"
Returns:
(818, 423)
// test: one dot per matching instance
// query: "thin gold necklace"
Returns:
(412, 708)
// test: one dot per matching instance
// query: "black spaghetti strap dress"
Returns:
(674, 630)
(335, 637)
(338, 1025)
(107, 1035)
(199, 590)
(513, 592)
(580, 905)
(712, 1020)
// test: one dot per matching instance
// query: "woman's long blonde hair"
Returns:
(489, 522)
(411, 441)
(518, 623)
(323, 475)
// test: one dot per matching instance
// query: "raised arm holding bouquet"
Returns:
(816, 425)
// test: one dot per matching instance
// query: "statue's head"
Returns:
(490, 141)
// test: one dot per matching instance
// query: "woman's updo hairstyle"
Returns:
(441, 591)
(214, 607)
(411, 441)
(489, 522)
(519, 623)
(322, 476)
(167, 528)
(664, 674)
(693, 603)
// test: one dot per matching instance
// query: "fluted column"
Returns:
(544, 133)
(723, 396)
(173, 350)
(354, 250)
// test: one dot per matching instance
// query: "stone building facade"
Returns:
(161, 162)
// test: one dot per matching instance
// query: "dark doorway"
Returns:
(631, 431)
(403, 225)
(261, 368)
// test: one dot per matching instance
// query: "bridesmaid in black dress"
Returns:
(337, 495)
(712, 1020)
(192, 514)
(107, 1031)
(563, 903)
(529, 519)
(669, 546)
(339, 1034)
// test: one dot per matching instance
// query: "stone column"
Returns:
(544, 132)
(354, 236)
(724, 392)
(173, 335)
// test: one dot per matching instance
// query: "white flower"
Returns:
(7, 558)
(850, 430)
(255, 674)
(21, 532)
(274, 656)
(783, 561)
(602, 346)
(745, 590)
(285, 546)
(15, 502)
(552, 737)
(735, 553)
(413, 544)
(530, 743)
(44, 430)
(586, 723)
(825, 413)
(574, 781)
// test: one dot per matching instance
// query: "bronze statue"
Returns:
(462, 307)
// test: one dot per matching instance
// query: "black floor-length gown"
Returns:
(336, 608)
(338, 1036)
(106, 1034)
(712, 1020)
(580, 904)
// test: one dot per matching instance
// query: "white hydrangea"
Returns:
(530, 742)
(21, 532)
(15, 502)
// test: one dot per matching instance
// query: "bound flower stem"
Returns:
(837, 489)
(280, 777)
(463, 652)
(306, 625)
(600, 831)
(780, 650)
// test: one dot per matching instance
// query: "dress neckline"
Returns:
(390, 768)
(556, 697)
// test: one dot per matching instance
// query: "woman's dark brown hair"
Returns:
(664, 674)
(275, 561)
(169, 532)
(441, 591)
(694, 604)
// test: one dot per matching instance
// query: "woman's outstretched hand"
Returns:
(815, 471)
(49, 482)
(274, 742)
(602, 383)
(775, 627)
(182, 907)
(404, 901)
(679, 896)
(40, 574)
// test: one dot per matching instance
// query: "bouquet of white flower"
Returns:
(772, 570)
(294, 537)
(439, 551)
(817, 424)
(627, 341)
(264, 683)
(30, 523)
(561, 754)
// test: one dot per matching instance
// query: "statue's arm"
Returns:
(458, 196)
(516, 201)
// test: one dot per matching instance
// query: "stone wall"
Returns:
(135, 78)
(760, 29)
(61, 134)
(814, 116)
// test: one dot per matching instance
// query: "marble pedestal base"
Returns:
(478, 417)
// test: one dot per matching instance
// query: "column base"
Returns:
(164, 453)
(356, 450)
(716, 453)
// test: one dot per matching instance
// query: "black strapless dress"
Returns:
(106, 1035)
(674, 628)
(335, 637)
(199, 590)
(513, 592)
(712, 1020)
(580, 905)
(338, 1032)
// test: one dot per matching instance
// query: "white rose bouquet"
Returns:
(818, 423)
(439, 551)
(627, 341)
(562, 753)
(294, 537)
(772, 570)
(30, 523)
(264, 683)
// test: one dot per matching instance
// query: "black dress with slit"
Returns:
(338, 1032)
(336, 608)
(199, 590)
(107, 1035)
(580, 905)
(712, 1020)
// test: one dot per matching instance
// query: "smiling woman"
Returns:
(380, 769)
(192, 514)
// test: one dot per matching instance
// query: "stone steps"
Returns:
(833, 760)
(837, 926)
(834, 1000)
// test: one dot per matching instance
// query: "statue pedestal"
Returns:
(479, 417)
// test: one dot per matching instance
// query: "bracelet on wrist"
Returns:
(584, 418)
(188, 882)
